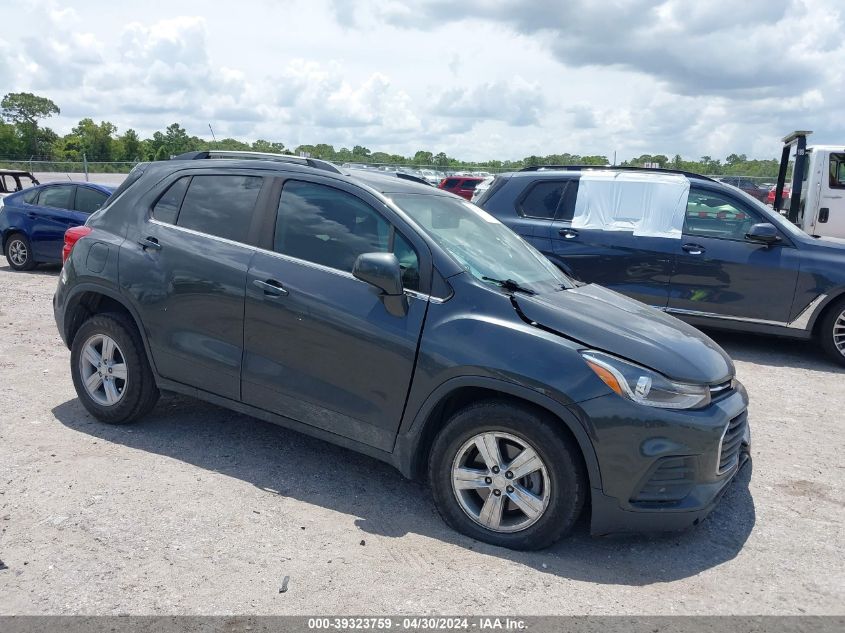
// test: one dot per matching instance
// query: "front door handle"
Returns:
(693, 249)
(568, 233)
(271, 288)
(149, 242)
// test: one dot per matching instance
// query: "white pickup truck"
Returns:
(817, 201)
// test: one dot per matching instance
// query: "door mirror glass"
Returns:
(381, 270)
(765, 233)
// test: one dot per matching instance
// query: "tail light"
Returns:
(72, 236)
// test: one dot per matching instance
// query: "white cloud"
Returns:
(477, 79)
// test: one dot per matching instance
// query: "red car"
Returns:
(787, 191)
(460, 185)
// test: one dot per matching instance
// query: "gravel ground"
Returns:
(198, 510)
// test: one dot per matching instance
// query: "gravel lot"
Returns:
(199, 510)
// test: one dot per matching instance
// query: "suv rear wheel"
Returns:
(19, 252)
(832, 332)
(503, 474)
(110, 370)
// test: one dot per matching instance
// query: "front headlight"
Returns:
(643, 385)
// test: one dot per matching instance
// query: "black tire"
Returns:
(561, 456)
(140, 394)
(827, 331)
(13, 241)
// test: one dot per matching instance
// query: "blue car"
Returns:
(701, 250)
(33, 221)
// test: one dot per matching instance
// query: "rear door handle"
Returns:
(568, 233)
(271, 288)
(693, 249)
(149, 242)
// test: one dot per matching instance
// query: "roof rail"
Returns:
(316, 163)
(688, 174)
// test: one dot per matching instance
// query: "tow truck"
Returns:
(816, 203)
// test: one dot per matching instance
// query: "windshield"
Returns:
(482, 245)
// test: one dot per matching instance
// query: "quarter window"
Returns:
(713, 215)
(220, 205)
(167, 207)
(543, 199)
(89, 200)
(330, 227)
(56, 197)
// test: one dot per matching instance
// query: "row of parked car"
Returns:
(523, 354)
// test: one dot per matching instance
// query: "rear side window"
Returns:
(89, 200)
(542, 200)
(56, 197)
(220, 205)
(470, 184)
(451, 183)
(167, 207)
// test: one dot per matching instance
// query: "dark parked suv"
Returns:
(691, 246)
(402, 322)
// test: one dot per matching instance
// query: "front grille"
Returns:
(671, 480)
(732, 443)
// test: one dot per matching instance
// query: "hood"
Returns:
(833, 242)
(605, 320)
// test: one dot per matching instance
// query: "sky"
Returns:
(477, 79)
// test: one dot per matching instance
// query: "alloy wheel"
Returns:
(500, 482)
(102, 367)
(839, 333)
(18, 252)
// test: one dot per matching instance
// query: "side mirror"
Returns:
(382, 271)
(764, 233)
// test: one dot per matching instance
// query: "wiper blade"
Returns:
(510, 284)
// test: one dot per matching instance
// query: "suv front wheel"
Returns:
(110, 370)
(505, 474)
(832, 332)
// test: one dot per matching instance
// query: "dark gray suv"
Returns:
(405, 323)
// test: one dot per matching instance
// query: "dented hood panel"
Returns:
(605, 320)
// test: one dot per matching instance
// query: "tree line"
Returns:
(24, 138)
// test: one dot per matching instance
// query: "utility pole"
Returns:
(213, 138)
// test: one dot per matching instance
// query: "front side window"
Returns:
(482, 245)
(56, 197)
(713, 215)
(332, 228)
(30, 196)
(89, 200)
(542, 200)
(837, 171)
(220, 205)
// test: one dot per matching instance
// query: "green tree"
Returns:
(24, 109)
(10, 142)
(268, 146)
(423, 158)
(130, 146)
(95, 141)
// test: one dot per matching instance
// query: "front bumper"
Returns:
(660, 469)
